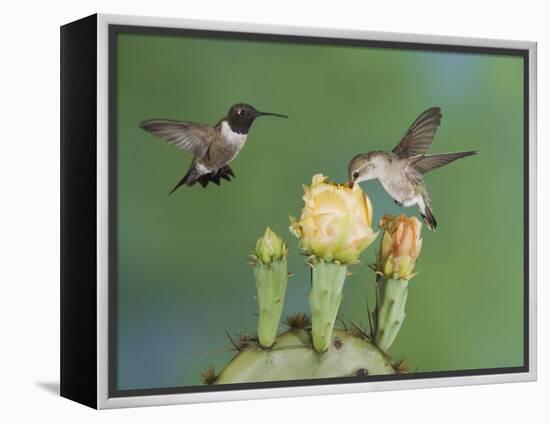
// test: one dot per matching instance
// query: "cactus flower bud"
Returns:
(269, 247)
(271, 273)
(399, 250)
(336, 220)
(400, 247)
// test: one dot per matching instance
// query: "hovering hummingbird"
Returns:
(213, 147)
(401, 172)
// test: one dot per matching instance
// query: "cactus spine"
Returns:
(327, 282)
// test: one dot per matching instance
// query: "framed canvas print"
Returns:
(253, 211)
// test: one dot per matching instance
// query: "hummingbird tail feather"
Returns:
(204, 180)
(224, 173)
(214, 178)
(190, 179)
(429, 218)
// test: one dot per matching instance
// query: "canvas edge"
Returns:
(78, 281)
(102, 212)
(533, 210)
(103, 400)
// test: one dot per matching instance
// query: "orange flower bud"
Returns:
(401, 245)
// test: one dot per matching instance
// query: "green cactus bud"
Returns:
(269, 247)
(271, 273)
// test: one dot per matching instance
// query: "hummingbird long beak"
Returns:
(272, 114)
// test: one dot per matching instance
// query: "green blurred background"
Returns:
(182, 273)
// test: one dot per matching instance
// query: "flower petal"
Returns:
(335, 223)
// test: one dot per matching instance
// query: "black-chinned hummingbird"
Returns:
(213, 147)
(401, 171)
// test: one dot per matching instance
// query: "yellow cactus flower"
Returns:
(336, 221)
(401, 245)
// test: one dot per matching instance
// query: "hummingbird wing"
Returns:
(424, 164)
(188, 136)
(420, 135)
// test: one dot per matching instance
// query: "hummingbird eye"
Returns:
(241, 112)
(355, 175)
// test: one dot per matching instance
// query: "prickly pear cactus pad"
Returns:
(333, 230)
(293, 356)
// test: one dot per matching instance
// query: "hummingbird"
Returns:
(213, 147)
(401, 171)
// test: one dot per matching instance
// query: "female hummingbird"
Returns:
(213, 147)
(401, 171)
